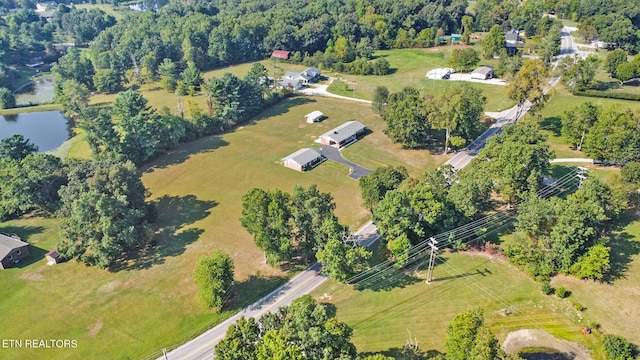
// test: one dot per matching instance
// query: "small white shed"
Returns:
(314, 116)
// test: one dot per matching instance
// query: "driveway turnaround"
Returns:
(332, 153)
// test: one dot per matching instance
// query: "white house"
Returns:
(313, 116)
(43, 6)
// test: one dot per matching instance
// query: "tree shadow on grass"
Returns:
(252, 289)
(401, 353)
(25, 232)
(387, 280)
(624, 247)
(553, 124)
(606, 85)
(171, 238)
(183, 152)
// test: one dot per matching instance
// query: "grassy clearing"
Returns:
(409, 67)
(108, 9)
(29, 109)
(382, 319)
(562, 100)
(614, 303)
(197, 188)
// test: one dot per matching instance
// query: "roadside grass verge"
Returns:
(152, 302)
(383, 320)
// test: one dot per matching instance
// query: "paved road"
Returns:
(202, 347)
(334, 154)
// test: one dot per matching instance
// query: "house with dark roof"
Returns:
(343, 135)
(483, 72)
(512, 41)
(303, 159)
(12, 250)
(280, 54)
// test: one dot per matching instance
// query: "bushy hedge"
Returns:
(607, 94)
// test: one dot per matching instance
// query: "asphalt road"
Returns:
(334, 154)
(202, 346)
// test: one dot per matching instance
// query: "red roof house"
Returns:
(280, 54)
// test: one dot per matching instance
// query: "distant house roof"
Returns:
(9, 243)
(291, 74)
(484, 69)
(512, 36)
(344, 131)
(303, 156)
(280, 54)
(292, 83)
(313, 71)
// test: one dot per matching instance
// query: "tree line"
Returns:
(413, 120)
(301, 225)
(101, 204)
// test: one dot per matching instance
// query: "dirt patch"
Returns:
(94, 329)
(35, 276)
(529, 338)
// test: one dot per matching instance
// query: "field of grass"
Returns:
(28, 109)
(197, 189)
(562, 100)
(107, 8)
(383, 320)
(409, 68)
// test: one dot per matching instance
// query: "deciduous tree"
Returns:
(375, 185)
(214, 275)
(529, 84)
(577, 122)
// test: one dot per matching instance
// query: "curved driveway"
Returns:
(334, 154)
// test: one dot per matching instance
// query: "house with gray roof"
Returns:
(343, 135)
(293, 84)
(483, 72)
(303, 159)
(312, 74)
(12, 250)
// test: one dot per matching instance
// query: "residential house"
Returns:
(312, 74)
(292, 84)
(43, 6)
(512, 40)
(313, 116)
(343, 135)
(12, 250)
(280, 54)
(483, 72)
(303, 159)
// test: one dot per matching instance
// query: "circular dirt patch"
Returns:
(538, 339)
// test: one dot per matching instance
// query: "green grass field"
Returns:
(409, 68)
(383, 320)
(197, 187)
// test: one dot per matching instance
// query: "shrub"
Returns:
(607, 94)
(546, 287)
(618, 348)
(561, 292)
(578, 306)
(214, 275)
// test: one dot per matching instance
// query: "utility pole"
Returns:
(432, 258)
(581, 174)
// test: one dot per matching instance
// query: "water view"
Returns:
(47, 129)
(37, 92)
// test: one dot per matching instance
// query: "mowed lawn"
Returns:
(384, 320)
(152, 302)
(560, 101)
(614, 304)
(409, 68)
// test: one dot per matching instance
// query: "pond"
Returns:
(154, 5)
(39, 91)
(47, 129)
